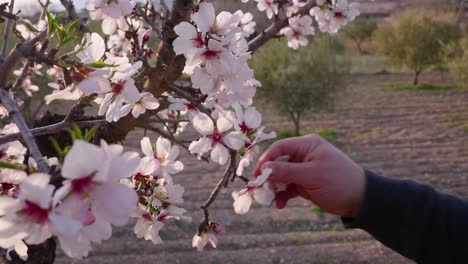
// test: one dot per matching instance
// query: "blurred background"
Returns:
(390, 89)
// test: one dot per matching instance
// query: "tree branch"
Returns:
(10, 104)
(51, 129)
(25, 49)
(7, 30)
(230, 169)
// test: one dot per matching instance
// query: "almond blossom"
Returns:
(331, 17)
(161, 157)
(269, 6)
(215, 138)
(299, 28)
(31, 218)
(112, 12)
(259, 189)
(246, 22)
(92, 187)
(87, 79)
(147, 102)
(201, 239)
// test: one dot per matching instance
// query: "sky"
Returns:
(30, 7)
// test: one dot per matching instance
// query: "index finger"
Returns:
(291, 147)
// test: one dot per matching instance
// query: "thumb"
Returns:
(286, 172)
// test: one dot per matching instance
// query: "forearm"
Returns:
(414, 220)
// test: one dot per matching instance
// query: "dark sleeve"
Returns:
(415, 220)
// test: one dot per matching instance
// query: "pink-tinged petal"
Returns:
(109, 26)
(182, 46)
(82, 160)
(203, 124)
(261, 179)
(21, 249)
(198, 242)
(252, 118)
(97, 48)
(137, 110)
(201, 146)
(235, 140)
(213, 240)
(88, 86)
(114, 202)
(242, 203)
(163, 146)
(123, 166)
(147, 165)
(186, 31)
(65, 94)
(174, 167)
(63, 225)
(219, 154)
(75, 247)
(8, 205)
(98, 231)
(146, 147)
(130, 92)
(105, 103)
(264, 195)
(149, 101)
(126, 6)
(173, 153)
(113, 10)
(205, 17)
(36, 188)
(202, 80)
(223, 124)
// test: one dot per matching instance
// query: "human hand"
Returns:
(317, 171)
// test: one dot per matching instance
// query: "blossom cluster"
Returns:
(330, 16)
(103, 186)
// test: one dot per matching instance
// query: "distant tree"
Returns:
(457, 61)
(359, 32)
(415, 41)
(302, 80)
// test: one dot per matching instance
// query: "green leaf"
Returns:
(90, 133)
(72, 26)
(9, 165)
(50, 22)
(100, 64)
(68, 39)
(30, 27)
(58, 149)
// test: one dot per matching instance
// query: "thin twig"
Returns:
(230, 169)
(165, 7)
(153, 25)
(70, 7)
(10, 104)
(51, 129)
(165, 134)
(190, 98)
(24, 73)
(26, 49)
(7, 30)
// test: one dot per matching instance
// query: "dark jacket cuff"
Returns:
(383, 196)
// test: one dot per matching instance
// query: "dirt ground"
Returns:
(421, 135)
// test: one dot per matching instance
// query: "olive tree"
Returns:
(298, 81)
(359, 32)
(415, 41)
